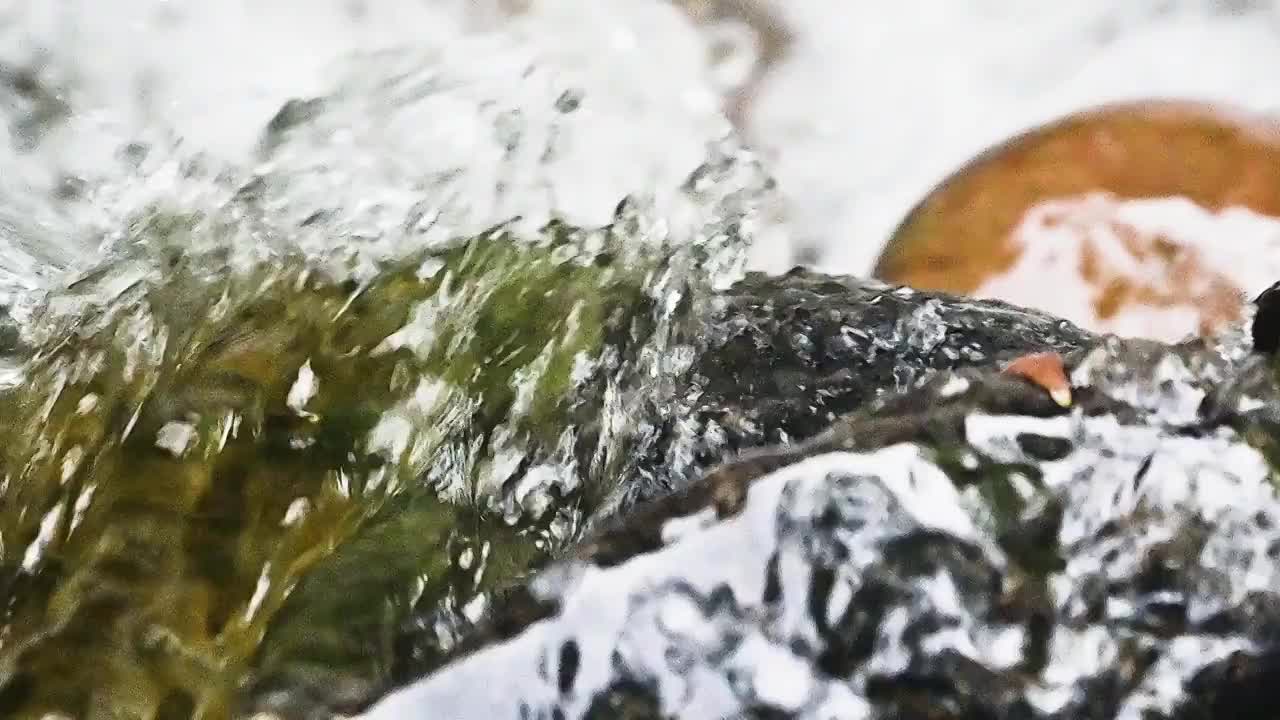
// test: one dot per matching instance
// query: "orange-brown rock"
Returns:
(1046, 370)
(962, 235)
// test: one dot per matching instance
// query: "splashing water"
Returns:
(293, 419)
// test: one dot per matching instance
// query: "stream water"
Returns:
(282, 409)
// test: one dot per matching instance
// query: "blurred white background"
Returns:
(869, 105)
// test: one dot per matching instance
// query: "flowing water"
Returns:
(278, 414)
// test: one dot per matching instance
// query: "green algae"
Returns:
(221, 474)
(362, 621)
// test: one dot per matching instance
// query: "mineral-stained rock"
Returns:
(1217, 156)
(966, 548)
(1156, 219)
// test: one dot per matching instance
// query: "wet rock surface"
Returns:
(782, 358)
(956, 546)
(1134, 208)
(788, 354)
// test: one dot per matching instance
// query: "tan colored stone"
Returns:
(962, 234)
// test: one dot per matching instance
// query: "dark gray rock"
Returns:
(952, 545)
(786, 355)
